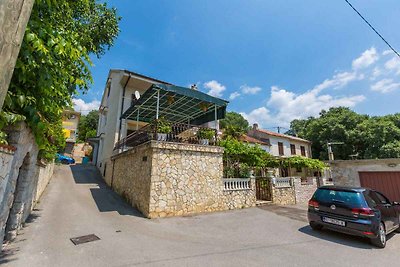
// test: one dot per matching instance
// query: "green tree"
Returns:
(53, 64)
(367, 137)
(87, 126)
(234, 124)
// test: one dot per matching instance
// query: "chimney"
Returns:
(255, 126)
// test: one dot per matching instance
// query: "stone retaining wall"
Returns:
(21, 180)
(130, 176)
(284, 196)
(171, 179)
(44, 175)
(305, 191)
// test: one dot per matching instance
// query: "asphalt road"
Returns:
(78, 203)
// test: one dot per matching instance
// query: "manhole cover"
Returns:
(84, 239)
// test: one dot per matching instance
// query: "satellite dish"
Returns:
(137, 94)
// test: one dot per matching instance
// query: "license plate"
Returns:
(333, 221)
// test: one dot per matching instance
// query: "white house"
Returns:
(119, 93)
(281, 145)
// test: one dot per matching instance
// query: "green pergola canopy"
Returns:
(176, 104)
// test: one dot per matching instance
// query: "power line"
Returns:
(394, 50)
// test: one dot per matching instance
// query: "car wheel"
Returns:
(315, 226)
(380, 241)
(64, 161)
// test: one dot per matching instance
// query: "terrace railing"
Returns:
(180, 133)
(232, 184)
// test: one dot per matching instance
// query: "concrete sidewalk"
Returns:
(78, 203)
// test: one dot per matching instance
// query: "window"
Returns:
(303, 151)
(330, 195)
(292, 149)
(280, 148)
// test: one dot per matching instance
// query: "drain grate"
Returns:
(84, 239)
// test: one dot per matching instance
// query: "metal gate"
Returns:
(263, 189)
(386, 182)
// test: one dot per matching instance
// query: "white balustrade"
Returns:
(231, 184)
(283, 182)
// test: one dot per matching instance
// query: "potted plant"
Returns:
(163, 128)
(204, 135)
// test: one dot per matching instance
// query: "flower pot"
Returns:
(204, 142)
(161, 137)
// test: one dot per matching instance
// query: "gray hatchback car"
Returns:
(354, 210)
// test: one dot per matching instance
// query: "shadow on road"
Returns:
(340, 238)
(291, 212)
(105, 198)
(8, 253)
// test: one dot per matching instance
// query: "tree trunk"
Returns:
(14, 16)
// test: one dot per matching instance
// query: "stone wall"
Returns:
(284, 196)
(172, 179)
(345, 172)
(130, 176)
(44, 175)
(19, 176)
(240, 199)
(304, 191)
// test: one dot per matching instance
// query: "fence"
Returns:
(180, 133)
(237, 184)
(283, 182)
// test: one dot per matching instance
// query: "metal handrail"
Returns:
(180, 133)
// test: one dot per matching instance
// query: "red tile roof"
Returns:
(249, 139)
(282, 135)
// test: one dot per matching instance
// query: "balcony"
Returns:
(179, 133)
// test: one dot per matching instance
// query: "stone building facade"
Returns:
(164, 179)
(346, 172)
(22, 180)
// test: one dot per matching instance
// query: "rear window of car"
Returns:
(331, 196)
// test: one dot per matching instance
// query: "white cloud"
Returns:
(376, 73)
(247, 90)
(260, 115)
(393, 65)
(288, 106)
(83, 107)
(385, 86)
(215, 88)
(234, 95)
(367, 58)
(387, 52)
(379, 73)
(338, 80)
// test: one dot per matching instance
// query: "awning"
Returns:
(176, 104)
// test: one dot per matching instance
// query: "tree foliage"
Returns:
(363, 136)
(53, 64)
(234, 125)
(240, 157)
(87, 126)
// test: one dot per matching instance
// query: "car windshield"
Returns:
(338, 196)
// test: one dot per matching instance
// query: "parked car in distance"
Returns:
(64, 159)
(354, 210)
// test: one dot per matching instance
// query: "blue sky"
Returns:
(273, 60)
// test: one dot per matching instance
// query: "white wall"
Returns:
(286, 146)
(109, 126)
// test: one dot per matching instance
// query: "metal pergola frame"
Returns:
(176, 104)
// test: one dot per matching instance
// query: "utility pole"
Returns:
(330, 152)
(14, 16)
